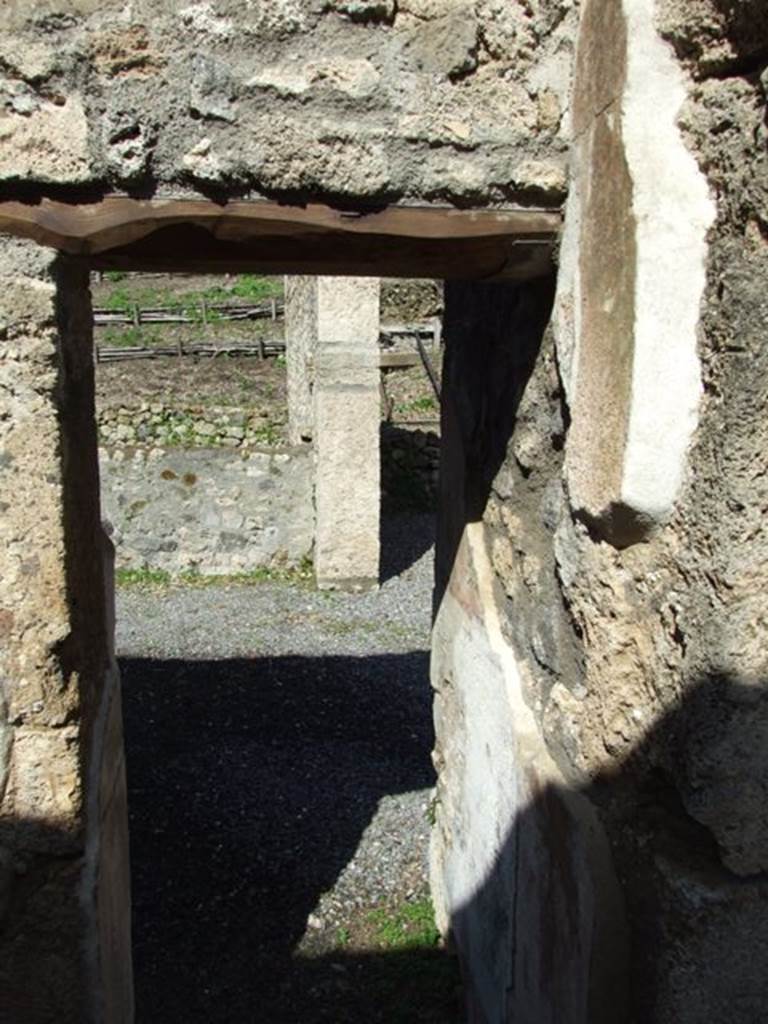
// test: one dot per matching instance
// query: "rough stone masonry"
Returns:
(212, 511)
(599, 666)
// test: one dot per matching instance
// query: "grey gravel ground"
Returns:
(278, 742)
(278, 618)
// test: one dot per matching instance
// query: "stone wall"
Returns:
(220, 505)
(208, 510)
(154, 423)
(405, 301)
(599, 653)
(64, 903)
(425, 99)
(520, 871)
(410, 459)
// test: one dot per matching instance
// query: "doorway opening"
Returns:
(117, 235)
(278, 737)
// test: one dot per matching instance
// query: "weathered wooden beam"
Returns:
(268, 237)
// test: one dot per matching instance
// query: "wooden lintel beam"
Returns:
(402, 240)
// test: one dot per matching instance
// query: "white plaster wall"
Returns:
(673, 210)
(479, 792)
(511, 873)
(669, 214)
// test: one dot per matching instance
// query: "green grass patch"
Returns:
(297, 574)
(300, 575)
(248, 287)
(130, 337)
(142, 577)
(424, 404)
(409, 926)
(394, 962)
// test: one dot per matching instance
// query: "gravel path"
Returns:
(278, 742)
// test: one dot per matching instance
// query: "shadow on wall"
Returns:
(610, 903)
(553, 940)
(409, 460)
(404, 538)
(492, 334)
(250, 785)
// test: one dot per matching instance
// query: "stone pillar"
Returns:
(64, 905)
(347, 415)
(300, 340)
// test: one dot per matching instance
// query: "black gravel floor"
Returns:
(265, 728)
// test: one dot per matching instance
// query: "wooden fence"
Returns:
(429, 331)
(205, 314)
(190, 313)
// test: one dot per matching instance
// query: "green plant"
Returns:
(431, 811)
(249, 286)
(409, 926)
(300, 575)
(130, 337)
(144, 577)
(343, 937)
(306, 567)
(178, 429)
(120, 299)
(267, 434)
(246, 286)
(264, 574)
(424, 404)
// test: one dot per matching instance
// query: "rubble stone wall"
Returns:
(424, 99)
(208, 510)
(158, 424)
(410, 461)
(599, 654)
(64, 897)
